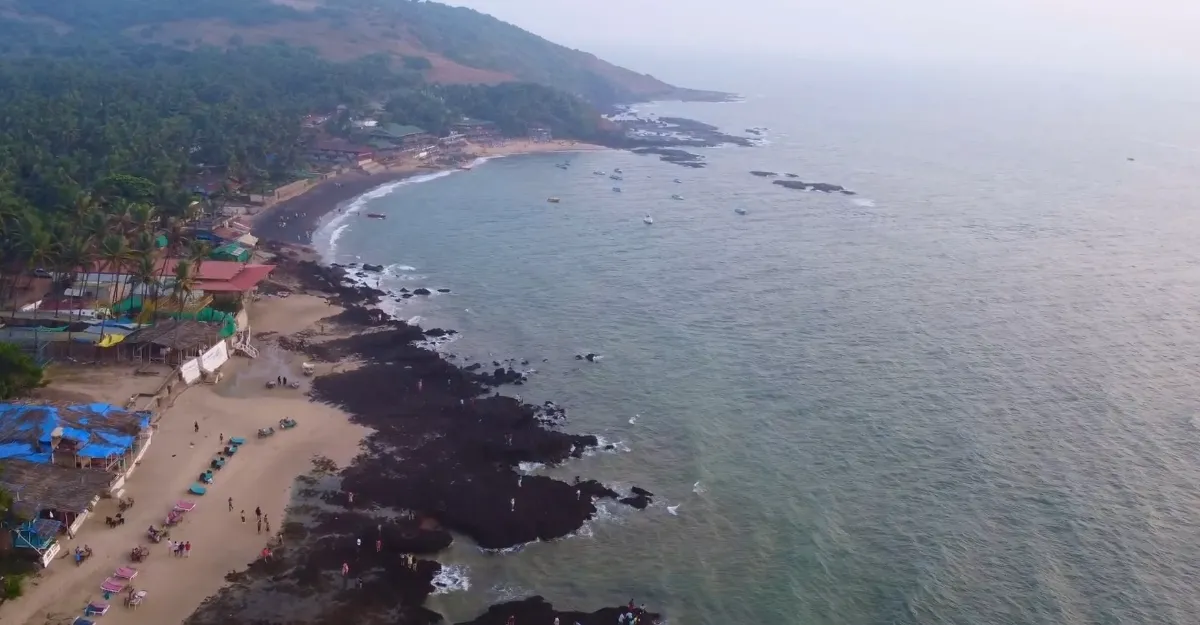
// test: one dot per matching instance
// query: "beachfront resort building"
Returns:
(57, 459)
(475, 130)
(539, 133)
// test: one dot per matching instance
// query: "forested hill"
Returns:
(446, 44)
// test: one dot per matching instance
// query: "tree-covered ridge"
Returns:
(404, 29)
(161, 113)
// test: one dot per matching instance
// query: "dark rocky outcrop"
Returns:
(421, 291)
(443, 290)
(764, 174)
(823, 187)
(537, 611)
(673, 155)
(370, 267)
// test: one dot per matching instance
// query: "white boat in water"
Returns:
(598, 172)
(552, 200)
(740, 211)
(647, 220)
(678, 181)
(616, 177)
(676, 197)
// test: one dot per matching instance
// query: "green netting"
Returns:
(231, 251)
(227, 320)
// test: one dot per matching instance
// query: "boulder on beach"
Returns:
(421, 291)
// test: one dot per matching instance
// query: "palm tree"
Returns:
(76, 252)
(114, 250)
(181, 291)
(144, 269)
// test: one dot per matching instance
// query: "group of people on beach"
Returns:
(180, 548)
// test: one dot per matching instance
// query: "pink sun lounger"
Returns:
(125, 572)
(185, 505)
(113, 584)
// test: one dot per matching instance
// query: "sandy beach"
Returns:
(260, 475)
(292, 220)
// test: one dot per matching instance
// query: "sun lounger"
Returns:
(79, 620)
(218, 462)
(230, 450)
(125, 572)
(185, 505)
(206, 477)
(113, 584)
(197, 489)
(287, 424)
(237, 440)
(96, 608)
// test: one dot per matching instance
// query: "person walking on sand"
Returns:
(231, 504)
(187, 549)
(260, 525)
(267, 522)
(378, 545)
(196, 426)
(258, 512)
(243, 516)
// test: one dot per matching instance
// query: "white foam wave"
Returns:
(602, 445)
(529, 467)
(415, 320)
(326, 237)
(698, 488)
(863, 202)
(452, 577)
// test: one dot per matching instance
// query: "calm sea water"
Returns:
(966, 395)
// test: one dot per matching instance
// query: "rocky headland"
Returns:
(441, 464)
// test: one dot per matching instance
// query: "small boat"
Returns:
(676, 197)
(617, 189)
(376, 216)
(562, 166)
(616, 177)
(598, 172)
(647, 220)
(552, 200)
(740, 211)
(678, 181)
(618, 170)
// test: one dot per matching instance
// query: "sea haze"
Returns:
(964, 395)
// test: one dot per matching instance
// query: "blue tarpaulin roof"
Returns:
(27, 431)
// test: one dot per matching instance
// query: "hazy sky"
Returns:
(1063, 33)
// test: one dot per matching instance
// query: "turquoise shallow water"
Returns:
(966, 395)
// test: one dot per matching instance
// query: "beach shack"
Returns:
(475, 130)
(173, 341)
(48, 500)
(540, 133)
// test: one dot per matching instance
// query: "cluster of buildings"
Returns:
(384, 142)
(57, 460)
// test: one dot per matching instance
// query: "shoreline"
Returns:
(293, 220)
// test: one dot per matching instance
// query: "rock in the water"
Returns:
(370, 267)
(443, 290)
(800, 185)
(590, 357)
(406, 295)
(764, 174)
(791, 175)
(421, 291)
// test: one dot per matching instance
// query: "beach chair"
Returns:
(287, 424)
(230, 450)
(218, 463)
(197, 489)
(135, 600)
(207, 477)
(185, 505)
(96, 608)
(113, 585)
(79, 620)
(125, 572)
(237, 440)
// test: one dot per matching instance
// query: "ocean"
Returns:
(964, 395)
